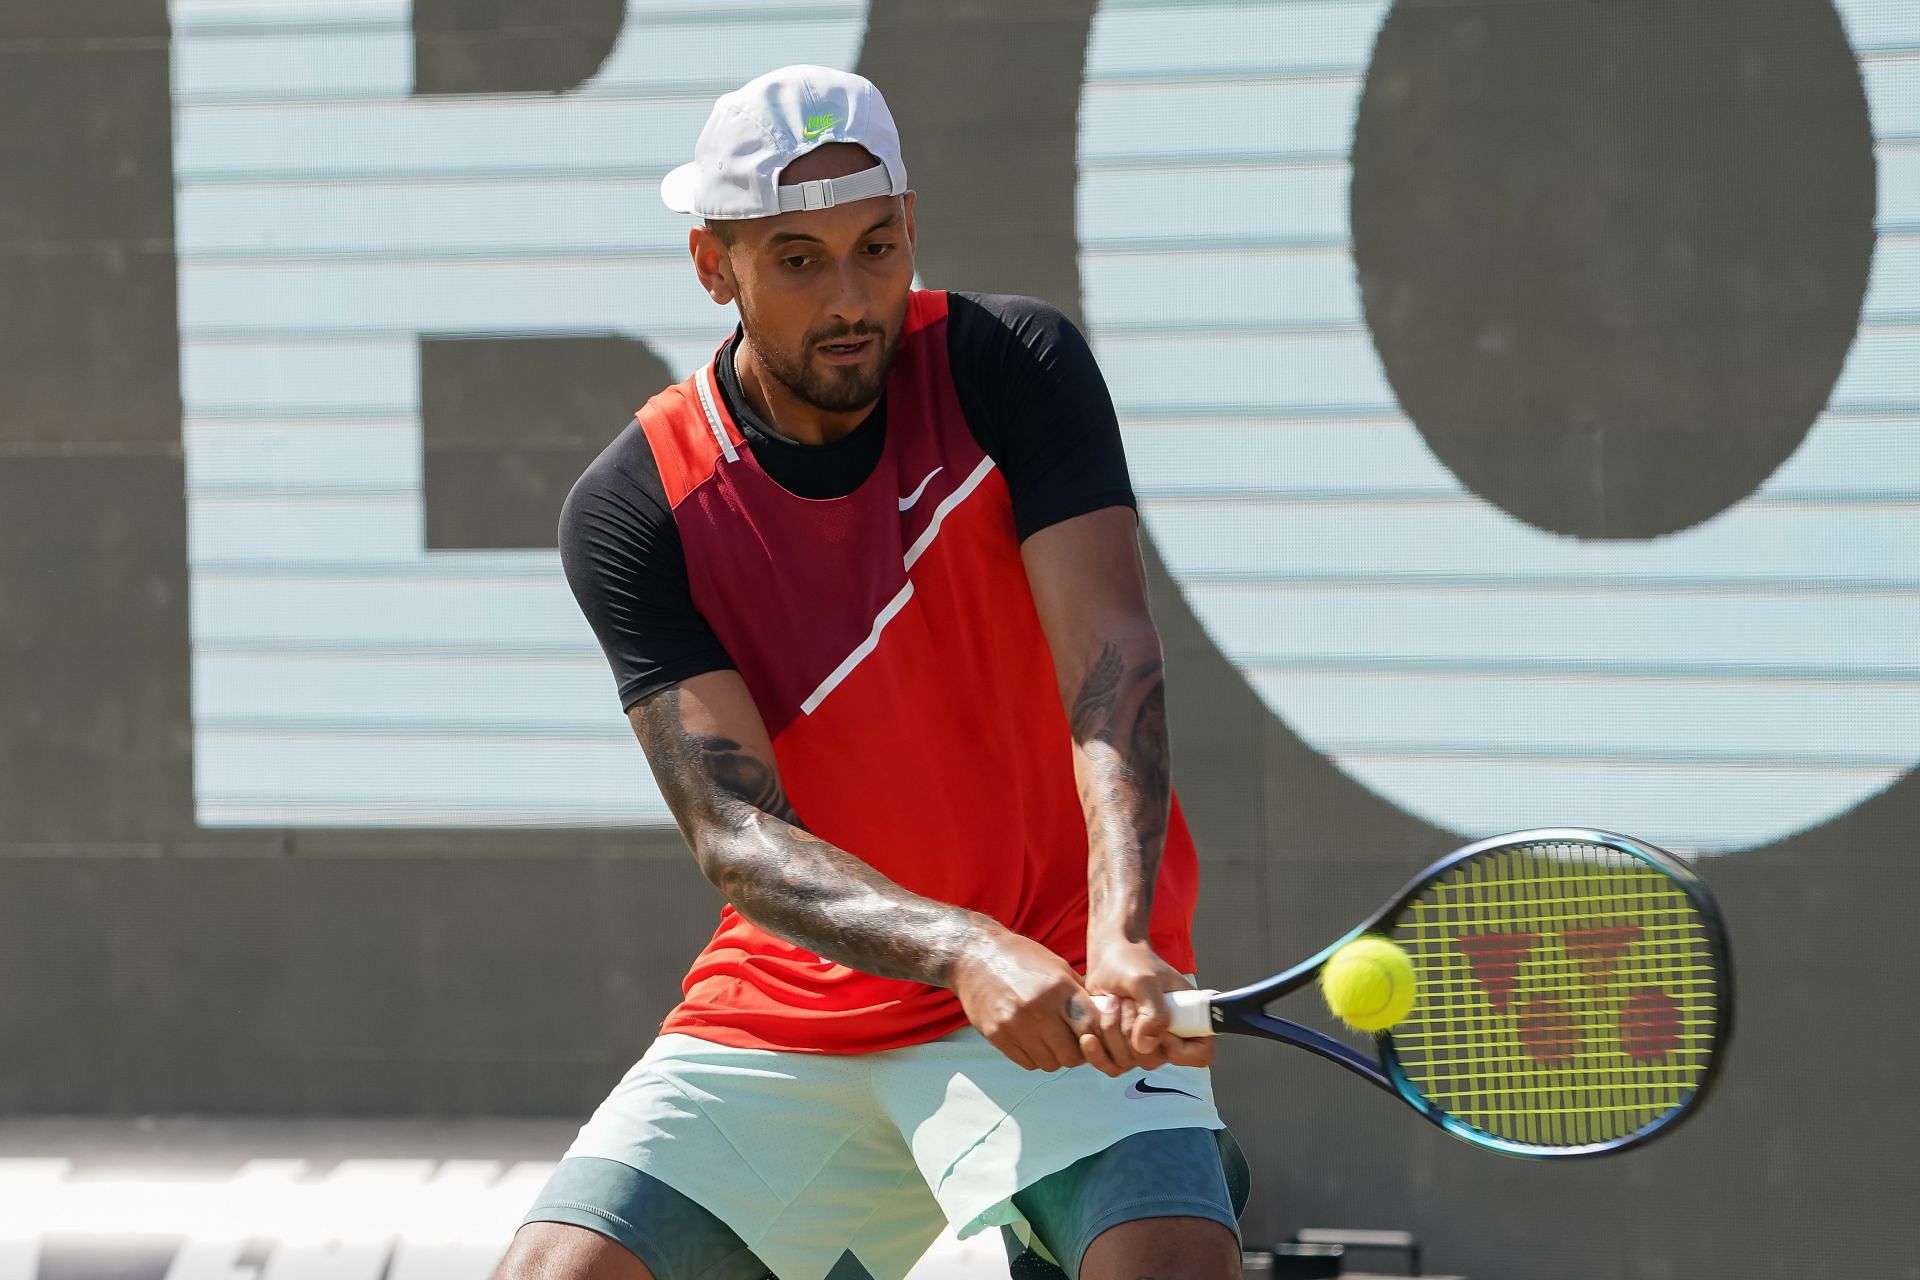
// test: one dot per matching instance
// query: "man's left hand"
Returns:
(1132, 1030)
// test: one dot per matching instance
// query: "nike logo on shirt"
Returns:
(1141, 1089)
(909, 501)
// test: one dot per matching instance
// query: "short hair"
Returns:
(722, 229)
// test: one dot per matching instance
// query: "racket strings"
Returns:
(1568, 994)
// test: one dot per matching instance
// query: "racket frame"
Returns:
(1242, 1010)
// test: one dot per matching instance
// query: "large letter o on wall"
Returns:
(1411, 560)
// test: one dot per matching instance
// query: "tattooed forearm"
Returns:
(1119, 721)
(749, 841)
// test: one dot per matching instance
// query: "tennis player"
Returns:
(870, 588)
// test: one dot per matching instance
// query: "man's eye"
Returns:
(880, 247)
(794, 260)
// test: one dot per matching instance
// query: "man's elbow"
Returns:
(731, 853)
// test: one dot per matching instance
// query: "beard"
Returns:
(830, 388)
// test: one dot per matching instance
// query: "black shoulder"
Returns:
(983, 318)
(1034, 398)
(624, 475)
(623, 561)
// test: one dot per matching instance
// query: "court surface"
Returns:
(202, 1198)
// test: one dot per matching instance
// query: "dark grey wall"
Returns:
(147, 965)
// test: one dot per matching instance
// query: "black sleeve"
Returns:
(1035, 400)
(624, 561)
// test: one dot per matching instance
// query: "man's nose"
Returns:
(848, 302)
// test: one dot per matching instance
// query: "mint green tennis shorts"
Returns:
(807, 1158)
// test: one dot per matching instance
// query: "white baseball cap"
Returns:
(760, 128)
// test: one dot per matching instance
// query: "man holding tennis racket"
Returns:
(870, 588)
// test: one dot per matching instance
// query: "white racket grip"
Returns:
(1191, 1011)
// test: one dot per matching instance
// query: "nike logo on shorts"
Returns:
(1141, 1089)
(915, 497)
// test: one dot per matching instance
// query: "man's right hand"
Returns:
(1027, 1001)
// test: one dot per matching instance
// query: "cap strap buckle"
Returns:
(824, 193)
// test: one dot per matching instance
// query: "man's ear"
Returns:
(906, 212)
(712, 265)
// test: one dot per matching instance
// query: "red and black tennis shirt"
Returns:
(870, 593)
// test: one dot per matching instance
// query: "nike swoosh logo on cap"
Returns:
(1141, 1089)
(909, 501)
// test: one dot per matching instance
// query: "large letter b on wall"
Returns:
(328, 218)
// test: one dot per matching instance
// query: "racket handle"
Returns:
(1191, 1010)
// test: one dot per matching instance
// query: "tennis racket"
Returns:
(1574, 992)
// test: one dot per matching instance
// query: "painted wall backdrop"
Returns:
(1524, 402)
(1653, 566)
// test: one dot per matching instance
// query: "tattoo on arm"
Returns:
(782, 877)
(1093, 706)
(744, 775)
(1152, 771)
(1119, 720)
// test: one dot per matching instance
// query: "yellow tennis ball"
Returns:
(1369, 983)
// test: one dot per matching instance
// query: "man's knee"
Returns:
(562, 1251)
(1165, 1249)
